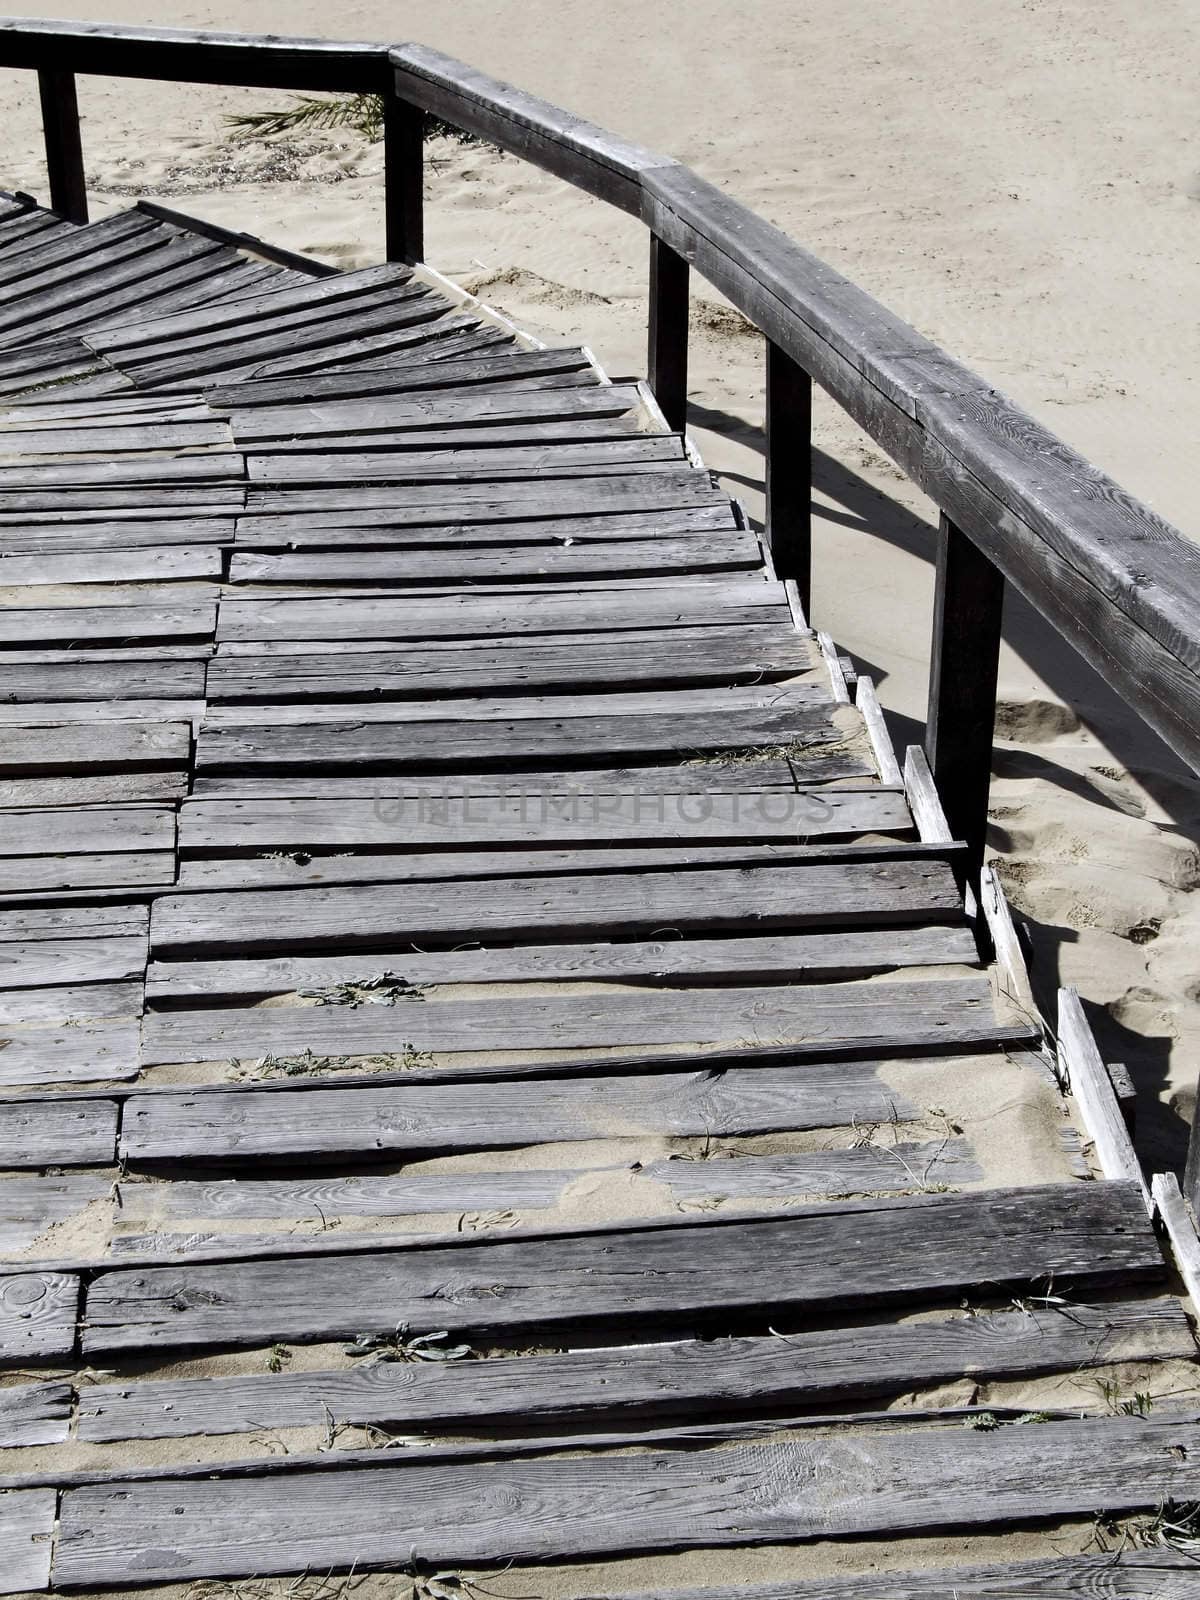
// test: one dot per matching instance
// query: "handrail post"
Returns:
(968, 609)
(789, 471)
(404, 178)
(667, 355)
(1191, 1171)
(64, 152)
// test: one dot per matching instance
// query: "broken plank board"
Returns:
(753, 898)
(665, 657)
(543, 1508)
(715, 553)
(678, 1379)
(60, 1133)
(34, 1413)
(101, 960)
(214, 825)
(821, 1257)
(146, 565)
(76, 747)
(95, 1052)
(128, 624)
(37, 1316)
(31, 1207)
(955, 1008)
(70, 1002)
(678, 961)
(427, 1119)
(27, 1520)
(107, 829)
(471, 615)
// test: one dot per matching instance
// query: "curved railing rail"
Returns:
(1017, 504)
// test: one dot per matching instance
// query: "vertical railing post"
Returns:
(1191, 1172)
(404, 178)
(789, 471)
(64, 153)
(667, 355)
(968, 609)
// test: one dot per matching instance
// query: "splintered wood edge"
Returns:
(1083, 1066)
(1179, 1221)
(867, 702)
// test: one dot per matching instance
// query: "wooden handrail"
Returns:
(1017, 504)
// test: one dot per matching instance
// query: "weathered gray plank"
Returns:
(30, 1207)
(74, 747)
(543, 1508)
(43, 873)
(757, 898)
(117, 828)
(37, 1316)
(23, 625)
(207, 825)
(426, 1118)
(95, 1052)
(94, 788)
(37, 538)
(26, 1529)
(145, 565)
(860, 1169)
(678, 961)
(34, 1413)
(90, 680)
(802, 1369)
(644, 451)
(60, 1133)
(70, 1002)
(715, 553)
(74, 922)
(518, 367)
(386, 617)
(51, 713)
(376, 529)
(562, 740)
(387, 413)
(956, 1009)
(101, 960)
(819, 1257)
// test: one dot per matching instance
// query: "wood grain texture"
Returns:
(93, 1052)
(35, 1413)
(249, 1124)
(541, 1509)
(704, 1377)
(26, 1527)
(678, 961)
(813, 895)
(37, 1316)
(821, 1257)
(957, 1008)
(59, 1133)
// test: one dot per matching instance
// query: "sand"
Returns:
(1019, 180)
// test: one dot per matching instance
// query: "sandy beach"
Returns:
(1021, 181)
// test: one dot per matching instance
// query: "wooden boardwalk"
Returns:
(453, 907)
